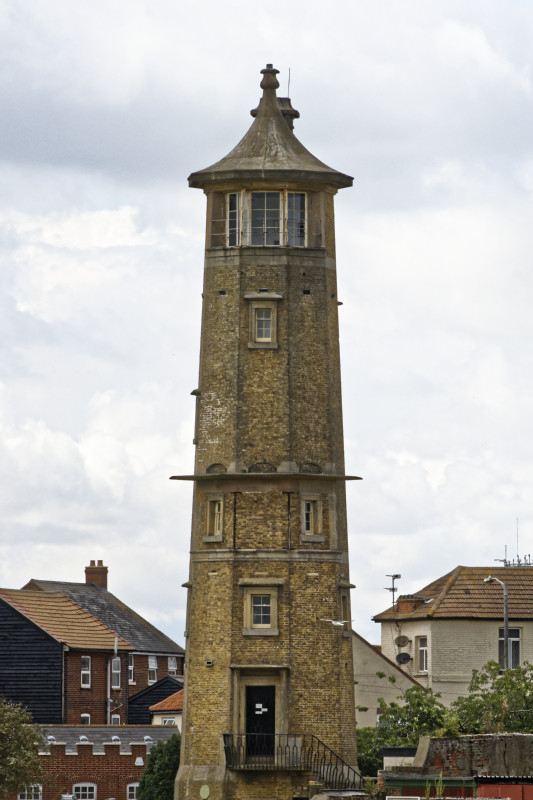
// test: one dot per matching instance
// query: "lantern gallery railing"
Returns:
(289, 751)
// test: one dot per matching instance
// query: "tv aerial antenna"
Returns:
(393, 588)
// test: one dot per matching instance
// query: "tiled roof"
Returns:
(113, 613)
(462, 594)
(172, 703)
(66, 622)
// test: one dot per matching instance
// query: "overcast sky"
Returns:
(107, 106)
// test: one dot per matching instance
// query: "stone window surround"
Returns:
(316, 534)
(264, 586)
(210, 535)
(262, 300)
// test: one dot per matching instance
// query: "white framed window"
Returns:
(86, 672)
(84, 791)
(260, 609)
(152, 669)
(115, 719)
(172, 665)
(422, 653)
(514, 647)
(215, 517)
(311, 516)
(169, 721)
(266, 219)
(85, 719)
(33, 792)
(115, 672)
(131, 668)
(131, 792)
(263, 325)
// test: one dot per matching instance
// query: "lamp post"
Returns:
(490, 579)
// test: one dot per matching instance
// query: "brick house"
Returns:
(456, 624)
(95, 652)
(94, 763)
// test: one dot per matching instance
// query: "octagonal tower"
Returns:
(269, 702)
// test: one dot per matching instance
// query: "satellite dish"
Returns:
(403, 658)
(402, 641)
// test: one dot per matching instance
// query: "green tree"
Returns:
(157, 780)
(20, 765)
(401, 724)
(497, 701)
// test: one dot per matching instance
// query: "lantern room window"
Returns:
(266, 219)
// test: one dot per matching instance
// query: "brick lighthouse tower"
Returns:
(269, 704)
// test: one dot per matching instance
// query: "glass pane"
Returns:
(296, 219)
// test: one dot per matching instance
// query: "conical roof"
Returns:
(269, 150)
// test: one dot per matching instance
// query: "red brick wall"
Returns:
(141, 671)
(81, 700)
(111, 772)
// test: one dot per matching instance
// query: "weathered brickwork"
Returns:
(92, 699)
(269, 511)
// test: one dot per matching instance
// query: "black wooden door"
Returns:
(260, 720)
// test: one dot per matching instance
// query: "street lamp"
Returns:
(490, 579)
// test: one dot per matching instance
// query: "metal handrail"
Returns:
(290, 751)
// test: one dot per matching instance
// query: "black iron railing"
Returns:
(290, 751)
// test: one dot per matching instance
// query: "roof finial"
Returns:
(269, 78)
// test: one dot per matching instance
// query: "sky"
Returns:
(106, 108)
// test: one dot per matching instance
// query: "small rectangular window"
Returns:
(215, 516)
(514, 648)
(115, 672)
(169, 721)
(311, 515)
(132, 791)
(84, 791)
(263, 324)
(422, 653)
(131, 669)
(85, 719)
(261, 610)
(296, 219)
(152, 669)
(86, 672)
(172, 665)
(115, 719)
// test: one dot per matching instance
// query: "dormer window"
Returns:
(266, 219)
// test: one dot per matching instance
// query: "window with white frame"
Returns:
(85, 719)
(172, 665)
(215, 516)
(131, 668)
(169, 721)
(115, 672)
(86, 672)
(422, 653)
(311, 515)
(115, 719)
(514, 648)
(266, 219)
(33, 792)
(152, 669)
(260, 609)
(131, 793)
(263, 319)
(84, 791)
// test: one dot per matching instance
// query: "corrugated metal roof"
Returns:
(65, 621)
(462, 594)
(113, 613)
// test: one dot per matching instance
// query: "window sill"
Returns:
(85, 687)
(215, 538)
(260, 632)
(316, 538)
(262, 345)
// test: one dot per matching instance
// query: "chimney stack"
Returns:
(96, 573)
